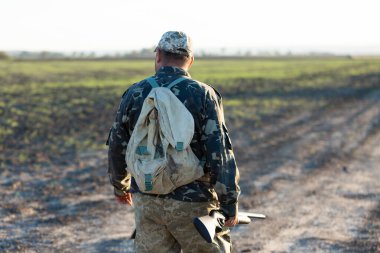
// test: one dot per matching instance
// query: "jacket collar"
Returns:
(171, 71)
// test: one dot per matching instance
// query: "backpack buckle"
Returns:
(179, 146)
(148, 182)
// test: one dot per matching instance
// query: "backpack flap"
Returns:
(176, 122)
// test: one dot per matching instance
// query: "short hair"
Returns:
(175, 57)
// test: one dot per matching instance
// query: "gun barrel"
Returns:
(252, 215)
(242, 219)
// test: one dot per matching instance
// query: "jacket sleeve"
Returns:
(219, 155)
(118, 141)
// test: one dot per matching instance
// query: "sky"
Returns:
(337, 26)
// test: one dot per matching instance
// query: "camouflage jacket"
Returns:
(210, 142)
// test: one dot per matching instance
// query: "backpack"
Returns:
(159, 155)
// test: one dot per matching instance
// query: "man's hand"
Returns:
(126, 199)
(232, 221)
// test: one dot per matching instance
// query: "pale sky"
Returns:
(75, 25)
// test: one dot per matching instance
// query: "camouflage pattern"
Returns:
(166, 225)
(210, 143)
(175, 42)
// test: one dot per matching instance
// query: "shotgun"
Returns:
(213, 223)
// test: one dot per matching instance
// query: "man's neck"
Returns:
(176, 66)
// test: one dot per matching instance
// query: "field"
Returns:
(305, 133)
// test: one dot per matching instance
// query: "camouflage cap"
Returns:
(175, 42)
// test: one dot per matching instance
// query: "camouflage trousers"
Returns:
(166, 225)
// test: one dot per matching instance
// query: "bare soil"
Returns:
(315, 174)
(317, 180)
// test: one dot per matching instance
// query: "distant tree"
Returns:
(44, 55)
(248, 53)
(3, 56)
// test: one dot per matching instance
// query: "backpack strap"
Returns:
(153, 82)
(177, 81)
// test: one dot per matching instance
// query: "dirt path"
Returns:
(321, 191)
(333, 210)
(315, 175)
(63, 209)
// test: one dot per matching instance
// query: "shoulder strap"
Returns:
(177, 81)
(153, 82)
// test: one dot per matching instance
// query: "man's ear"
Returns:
(191, 61)
(157, 60)
(158, 56)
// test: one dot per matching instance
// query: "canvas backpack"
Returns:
(159, 155)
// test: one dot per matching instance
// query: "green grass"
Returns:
(51, 110)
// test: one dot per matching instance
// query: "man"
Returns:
(164, 222)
